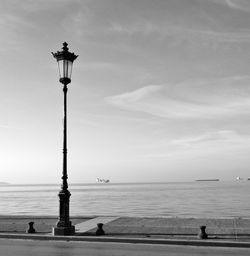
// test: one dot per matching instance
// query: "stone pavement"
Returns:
(185, 229)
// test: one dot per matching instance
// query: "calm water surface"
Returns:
(192, 199)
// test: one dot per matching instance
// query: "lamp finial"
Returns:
(65, 47)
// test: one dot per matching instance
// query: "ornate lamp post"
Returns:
(65, 61)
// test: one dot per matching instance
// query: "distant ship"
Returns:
(209, 180)
(98, 180)
(238, 178)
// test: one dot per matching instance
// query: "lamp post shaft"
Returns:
(65, 174)
(64, 226)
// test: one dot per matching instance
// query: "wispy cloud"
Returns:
(221, 136)
(242, 5)
(136, 95)
(143, 27)
(2, 126)
(180, 32)
(189, 100)
(9, 127)
(97, 65)
(214, 142)
(38, 5)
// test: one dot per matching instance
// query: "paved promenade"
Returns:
(149, 229)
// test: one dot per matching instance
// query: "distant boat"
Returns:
(98, 180)
(209, 180)
(238, 178)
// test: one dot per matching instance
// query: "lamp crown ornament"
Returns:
(65, 54)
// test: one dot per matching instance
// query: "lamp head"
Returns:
(65, 61)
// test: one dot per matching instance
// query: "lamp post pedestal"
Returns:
(64, 226)
(63, 231)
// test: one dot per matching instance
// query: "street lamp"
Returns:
(65, 61)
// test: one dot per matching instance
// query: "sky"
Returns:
(160, 91)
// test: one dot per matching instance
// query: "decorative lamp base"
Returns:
(63, 231)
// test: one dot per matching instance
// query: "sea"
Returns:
(205, 199)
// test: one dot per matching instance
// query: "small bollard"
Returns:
(202, 234)
(100, 231)
(31, 228)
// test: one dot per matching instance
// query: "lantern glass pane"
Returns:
(68, 68)
(60, 67)
(65, 68)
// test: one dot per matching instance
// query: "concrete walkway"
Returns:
(234, 227)
(92, 223)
